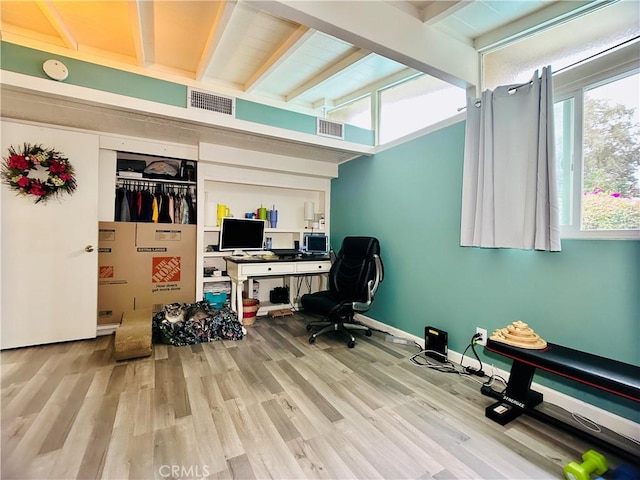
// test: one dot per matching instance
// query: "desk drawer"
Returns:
(313, 267)
(267, 269)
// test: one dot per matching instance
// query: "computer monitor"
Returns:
(240, 234)
(315, 244)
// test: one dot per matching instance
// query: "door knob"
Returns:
(88, 248)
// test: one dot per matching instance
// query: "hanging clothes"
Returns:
(155, 210)
(163, 216)
(172, 207)
(177, 214)
(120, 193)
(133, 206)
(125, 215)
(192, 208)
(135, 202)
(147, 206)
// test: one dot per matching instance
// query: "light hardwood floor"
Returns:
(268, 406)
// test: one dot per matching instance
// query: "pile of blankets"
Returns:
(181, 324)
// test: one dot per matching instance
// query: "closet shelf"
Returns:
(154, 180)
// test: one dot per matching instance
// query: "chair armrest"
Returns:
(379, 273)
(372, 286)
(364, 306)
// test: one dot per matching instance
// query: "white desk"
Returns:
(241, 269)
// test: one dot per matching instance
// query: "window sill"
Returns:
(566, 233)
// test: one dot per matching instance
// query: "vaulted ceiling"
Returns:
(303, 56)
(300, 55)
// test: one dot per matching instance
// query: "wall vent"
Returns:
(330, 129)
(210, 101)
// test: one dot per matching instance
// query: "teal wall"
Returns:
(28, 61)
(585, 297)
(267, 115)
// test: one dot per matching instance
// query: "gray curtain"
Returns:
(509, 191)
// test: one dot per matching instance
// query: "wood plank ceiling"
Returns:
(237, 48)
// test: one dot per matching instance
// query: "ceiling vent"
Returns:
(210, 101)
(330, 129)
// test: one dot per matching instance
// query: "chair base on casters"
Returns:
(343, 327)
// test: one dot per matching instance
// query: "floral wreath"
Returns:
(19, 165)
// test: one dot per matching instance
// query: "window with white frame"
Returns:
(356, 113)
(415, 104)
(596, 115)
(598, 157)
(589, 33)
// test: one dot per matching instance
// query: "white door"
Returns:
(49, 282)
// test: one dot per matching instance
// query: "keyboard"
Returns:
(285, 252)
(315, 255)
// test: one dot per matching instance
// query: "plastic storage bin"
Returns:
(217, 300)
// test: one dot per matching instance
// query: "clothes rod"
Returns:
(157, 180)
(511, 91)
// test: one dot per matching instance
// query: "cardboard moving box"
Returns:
(115, 270)
(144, 266)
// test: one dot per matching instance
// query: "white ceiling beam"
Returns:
(367, 25)
(54, 17)
(141, 15)
(277, 58)
(223, 16)
(407, 8)
(438, 10)
(29, 38)
(388, 81)
(323, 104)
(336, 69)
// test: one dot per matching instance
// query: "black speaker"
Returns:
(279, 295)
(296, 244)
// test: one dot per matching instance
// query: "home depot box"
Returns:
(115, 270)
(151, 265)
(165, 259)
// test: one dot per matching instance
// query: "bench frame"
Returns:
(518, 398)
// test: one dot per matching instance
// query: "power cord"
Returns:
(298, 286)
(445, 367)
(465, 372)
(470, 370)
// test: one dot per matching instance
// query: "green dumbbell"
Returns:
(594, 462)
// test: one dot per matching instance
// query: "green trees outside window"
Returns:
(611, 156)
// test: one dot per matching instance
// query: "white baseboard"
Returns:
(618, 424)
(106, 329)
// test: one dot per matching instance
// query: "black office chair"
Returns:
(353, 280)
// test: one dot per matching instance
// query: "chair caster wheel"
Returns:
(309, 327)
(368, 333)
(351, 344)
(312, 340)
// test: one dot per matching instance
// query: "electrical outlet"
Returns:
(483, 339)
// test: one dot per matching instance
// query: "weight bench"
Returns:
(612, 376)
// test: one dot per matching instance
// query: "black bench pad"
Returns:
(604, 373)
